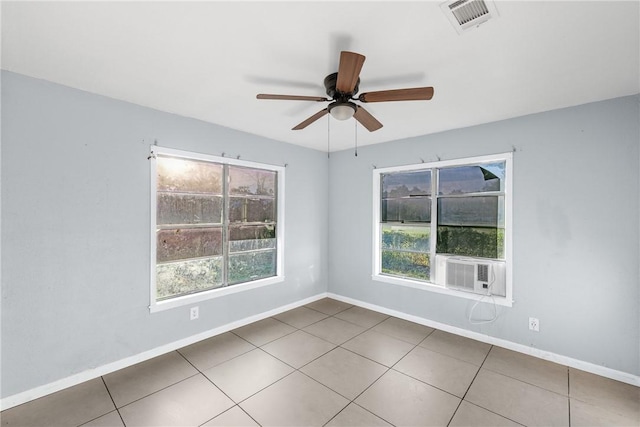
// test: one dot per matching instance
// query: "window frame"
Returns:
(431, 286)
(178, 301)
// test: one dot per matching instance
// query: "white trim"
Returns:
(603, 371)
(156, 306)
(191, 155)
(432, 287)
(507, 300)
(46, 389)
(213, 293)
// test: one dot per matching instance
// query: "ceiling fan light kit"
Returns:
(342, 110)
(341, 87)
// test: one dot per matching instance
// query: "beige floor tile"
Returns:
(410, 332)
(112, 419)
(586, 415)
(142, 379)
(355, 416)
(518, 401)
(234, 417)
(296, 400)
(361, 316)
(344, 372)
(470, 415)
(70, 407)
(444, 372)
(620, 398)
(264, 331)
(247, 374)
(329, 306)
(379, 347)
(529, 369)
(334, 330)
(404, 401)
(298, 349)
(215, 350)
(190, 402)
(300, 317)
(462, 348)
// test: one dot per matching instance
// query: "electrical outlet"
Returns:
(195, 313)
(534, 324)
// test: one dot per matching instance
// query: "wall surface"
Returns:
(76, 230)
(575, 230)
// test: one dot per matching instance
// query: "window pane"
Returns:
(249, 238)
(401, 184)
(188, 176)
(258, 182)
(471, 226)
(177, 208)
(242, 209)
(249, 232)
(479, 211)
(414, 209)
(247, 266)
(471, 179)
(471, 241)
(186, 277)
(405, 238)
(251, 245)
(185, 243)
(406, 264)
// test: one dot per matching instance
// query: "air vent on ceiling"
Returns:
(467, 14)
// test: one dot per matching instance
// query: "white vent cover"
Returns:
(467, 14)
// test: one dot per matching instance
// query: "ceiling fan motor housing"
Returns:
(330, 86)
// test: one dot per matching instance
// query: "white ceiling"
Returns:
(208, 60)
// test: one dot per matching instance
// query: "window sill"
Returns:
(432, 287)
(213, 293)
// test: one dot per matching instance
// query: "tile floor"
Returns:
(333, 364)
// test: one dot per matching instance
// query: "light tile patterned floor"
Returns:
(332, 364)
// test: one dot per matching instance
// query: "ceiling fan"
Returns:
(342, 87)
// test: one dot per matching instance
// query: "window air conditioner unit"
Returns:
(478, 275)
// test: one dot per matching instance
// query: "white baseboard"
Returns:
(536, 352)
(37, 392)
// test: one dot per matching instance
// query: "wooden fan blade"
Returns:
(311, 119)
(349, 71)
(366, 119)
(291, 97)
(413, 94)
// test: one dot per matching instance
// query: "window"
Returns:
(456, 207)
(216, 222)
(405, 223)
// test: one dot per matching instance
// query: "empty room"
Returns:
(330, 213)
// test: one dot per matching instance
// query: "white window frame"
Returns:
(507, 300)
(154, 305)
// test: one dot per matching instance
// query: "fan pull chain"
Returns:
(355, 123)
(328, 136)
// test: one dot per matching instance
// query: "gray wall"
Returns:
(75, 230)
(575, 229)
